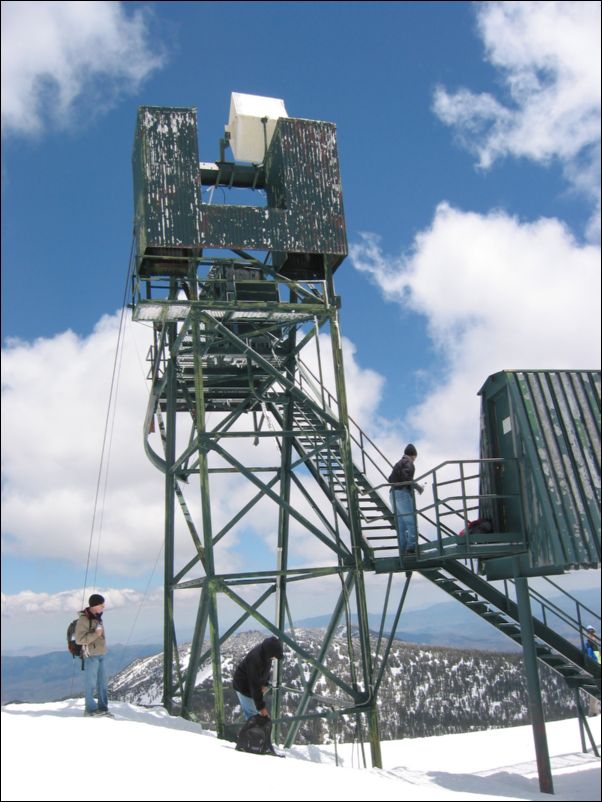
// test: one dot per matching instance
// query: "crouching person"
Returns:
(252, 676)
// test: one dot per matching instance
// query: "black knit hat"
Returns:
(411, 450)
(272, 647)
(95, 599)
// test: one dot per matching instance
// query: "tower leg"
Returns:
(538, 723)
(170, 481)
(355, 527)
(584, 726)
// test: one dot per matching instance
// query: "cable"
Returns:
(104, 442)
(141, 604)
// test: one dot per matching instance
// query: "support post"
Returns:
(170, 482)
(584, 726)
(203, 448)
(354, 522)
(538, 723)
(284, 516)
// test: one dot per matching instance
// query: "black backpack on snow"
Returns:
(255, 736)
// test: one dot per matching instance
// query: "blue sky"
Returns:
(468, 137)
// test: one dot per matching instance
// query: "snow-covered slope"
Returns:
(144, 754)
(439, 690)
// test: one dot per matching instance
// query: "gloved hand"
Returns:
(419, 488)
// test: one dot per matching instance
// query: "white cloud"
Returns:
(37, 622)
(54, 396)
(61, 57)
(55, 393)
(69, 601)
(497, 294)
(548, 57)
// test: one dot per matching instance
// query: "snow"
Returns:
(144, 754)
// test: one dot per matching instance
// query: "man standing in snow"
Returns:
(252, 676)
(90, 635)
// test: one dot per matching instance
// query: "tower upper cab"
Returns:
(303, 224)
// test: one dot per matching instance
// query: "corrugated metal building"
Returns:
(546, 424)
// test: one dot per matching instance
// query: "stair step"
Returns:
(573, 678)
(553, 660)
(447, 585)
(376, 528)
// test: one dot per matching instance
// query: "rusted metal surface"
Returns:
(166, 184)
(303, 223)
(305, 203)
(550, 422)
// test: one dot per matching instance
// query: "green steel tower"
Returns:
(235, 293)
(249, 424)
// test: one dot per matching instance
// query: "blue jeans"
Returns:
(247, 705)
(95, 682)
(402, 501)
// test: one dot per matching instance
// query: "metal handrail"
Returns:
(549, 607)
(372, 455)
(357, 434)
(574, 620)
(562, 590)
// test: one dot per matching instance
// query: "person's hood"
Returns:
(272, 647)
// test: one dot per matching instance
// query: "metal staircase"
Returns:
(501, 611)
(228, 330)
(315, 437)
(459, 579)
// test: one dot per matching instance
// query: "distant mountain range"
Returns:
(425, 690)
(454, 625)
(55, 675)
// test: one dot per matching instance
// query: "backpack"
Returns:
(482, 526)
(255, 736)
(75, 649)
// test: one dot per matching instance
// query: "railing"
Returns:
(446, 514)
(370, 457)
(188, 287)
(548, 609)
(445, 523)
(458, 499)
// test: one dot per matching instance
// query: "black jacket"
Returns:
(253, 671)
(403, 471)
